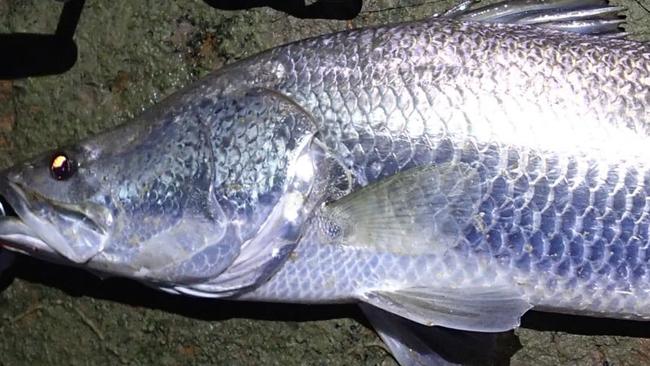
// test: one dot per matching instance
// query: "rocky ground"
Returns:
(132, 54)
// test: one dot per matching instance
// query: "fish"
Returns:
(447, 175)
(6, 257)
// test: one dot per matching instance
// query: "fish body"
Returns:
(561, 163)
(449, 172)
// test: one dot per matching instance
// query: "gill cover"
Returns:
(265, 162)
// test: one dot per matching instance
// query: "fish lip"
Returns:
(14, 233)
(30, 231)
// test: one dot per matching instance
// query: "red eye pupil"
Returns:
(61, 167)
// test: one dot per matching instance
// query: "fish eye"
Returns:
(62, 167)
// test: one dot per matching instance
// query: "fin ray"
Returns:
(481, 308)
(418, 211)
(415, 344)
(593, 17)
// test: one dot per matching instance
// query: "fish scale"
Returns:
(566, 220)
(446, 172)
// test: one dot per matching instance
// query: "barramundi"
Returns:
(453, 172)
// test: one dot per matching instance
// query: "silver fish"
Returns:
(6, 257)
(452, 172)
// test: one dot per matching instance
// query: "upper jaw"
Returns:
(46, 228)
(14, 233)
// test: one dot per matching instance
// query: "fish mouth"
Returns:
(17, 236)
(37, 226)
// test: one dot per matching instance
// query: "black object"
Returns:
(321, 9)
(33, 54)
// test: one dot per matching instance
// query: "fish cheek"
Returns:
(172, 228)
(269, 171)
(185, 239)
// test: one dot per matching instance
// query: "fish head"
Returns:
(176, 197)
(73, 203)
(54, 208)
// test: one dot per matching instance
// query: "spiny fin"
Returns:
(479, 309)
(406, 347)
(416, 344)
(595, 17)
(418, 211)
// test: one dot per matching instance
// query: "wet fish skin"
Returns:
(545, 130)
(556, 125)
(143, 201)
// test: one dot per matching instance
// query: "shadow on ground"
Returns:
(321, 9)
(78, 282)
(34, 54)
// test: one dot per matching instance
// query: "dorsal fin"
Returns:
(594, 17)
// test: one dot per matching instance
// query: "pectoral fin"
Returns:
(481, 309)
(418, 211)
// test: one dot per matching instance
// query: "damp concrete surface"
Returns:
(131, 55)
